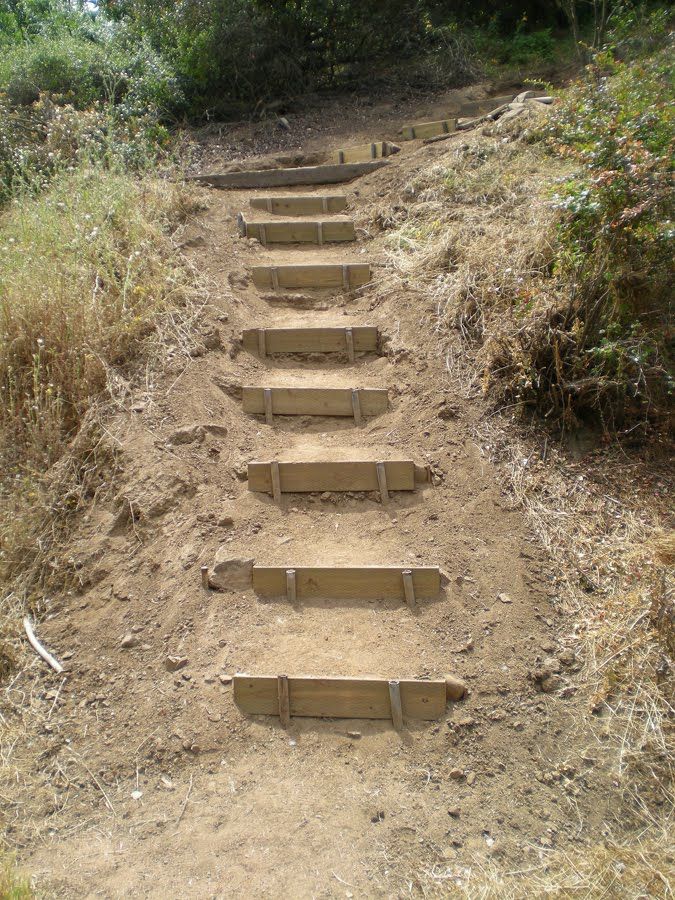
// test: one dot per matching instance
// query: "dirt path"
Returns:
(155, 784)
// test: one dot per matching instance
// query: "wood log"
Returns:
(374, 150)
(294, 205)
(428, 129)
(341, 698)
(311, 340)
(347, 276)
(307, 477)
(286, 177)
(291, 401)
(294, 231)
(348, 582)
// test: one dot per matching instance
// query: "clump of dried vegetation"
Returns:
(533, 308)
(89, 281)
(13, 884)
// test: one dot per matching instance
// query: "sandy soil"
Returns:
(154, 783)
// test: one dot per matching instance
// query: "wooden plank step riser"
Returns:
(347, 276)
(315, 401)
(264, 178)
(300, 206)
(310, 340)
(340, 698)
(347, 583)
(326, 231)
(428, 129)
(308, 477)
(374, 150)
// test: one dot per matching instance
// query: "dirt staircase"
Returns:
(323, 695)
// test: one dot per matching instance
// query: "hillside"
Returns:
(523, 380)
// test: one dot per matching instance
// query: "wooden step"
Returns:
(292, 231)
(348, 583)
(288, 477)
(286, 177)
(374, 150)
(351, 340)
(299, 205)
(297, 401)
(347, 276)
(428, 129)
(340, 698)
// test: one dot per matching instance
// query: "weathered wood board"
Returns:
(347, 583)
(428, 129)
(349, 275)
(339, 698)
(299, 205)
(289, 401)
(264, 178)
(310, 340)
(305, 477)
(373, 151)
(294, 231)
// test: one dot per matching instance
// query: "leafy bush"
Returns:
(522, 47)
(85, 270)
(80, 69)
(40, 140)
(616, 239)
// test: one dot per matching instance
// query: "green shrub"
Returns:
(616, 234)
(105, 66)
(521, 48)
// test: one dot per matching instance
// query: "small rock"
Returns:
(230, 572)
(174, 663)
(454, 812)
(326, 495)
(128, 641)
(354, 734)
(212, 340)
(456, 774)
(455, 688)
(504, 598)
(225, 522)
(471, 778)
(565, 658)
(225, 679)
(215, 429)
(136, 795)
(551, 684)
(166, 783)
(187, 435)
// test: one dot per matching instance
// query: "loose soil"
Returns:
(152, 783)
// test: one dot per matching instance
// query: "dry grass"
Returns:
(93, 298)
(473, 232)
(91, 285)
(13, 884)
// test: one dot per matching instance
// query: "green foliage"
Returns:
(41, 140)
(86, 268)
(616, 236)
(13, 884)
(521, 47)
(81, 69)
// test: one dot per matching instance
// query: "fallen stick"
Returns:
(39, 649)
(440, 137)
(489, 117)
(185, 802)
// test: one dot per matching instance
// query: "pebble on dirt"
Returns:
(230, 572)
(174, 663)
